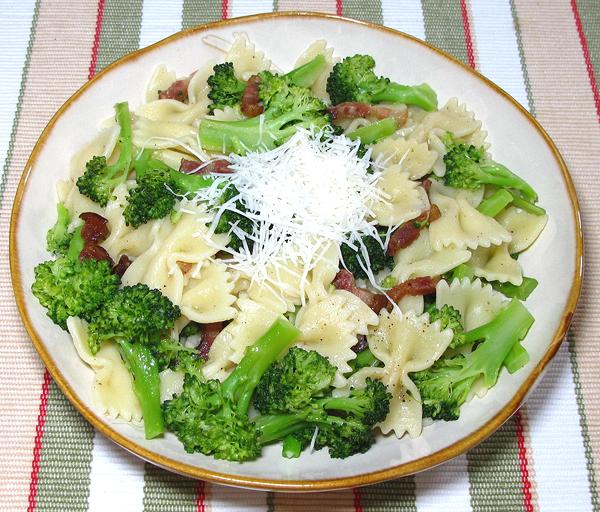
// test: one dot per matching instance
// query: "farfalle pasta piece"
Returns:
(170, 261)
(420, 260)
(330, 326)
(405, 343)
(473, 197)
(161, 79)
(209, 297)
(405, 198)
(523, 226)
(164, 134)
(112, 390)
(319, 47)
(246, 59)
(462, 226)
(411, 156)
(173, 111)
(476, 302)
(496, 264)
(251, 322)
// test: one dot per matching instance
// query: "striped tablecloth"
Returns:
(546, 53)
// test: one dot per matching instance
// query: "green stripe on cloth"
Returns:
(589, 457)
(65, 457)
(168, 492)
(120, 34)
(197, 12)
(444, 27)
(494, 476)
(367, 11)
(522, 57)
(589, 12)
(396, 496)
(24, 75)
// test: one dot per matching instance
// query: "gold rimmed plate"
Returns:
(555, 259)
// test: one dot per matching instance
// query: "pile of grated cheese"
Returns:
(311, 191)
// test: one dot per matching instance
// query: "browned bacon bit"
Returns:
(355, 109)
(406, 234)
(416, 286)
(95, 252)
(361, 344)
(122, 265)
(209, 333)
(434, 213)
(95, 228)
(178, 90)
(184, 266)
(344, 280)
(426, 184)
(220, 166)
(250, 104)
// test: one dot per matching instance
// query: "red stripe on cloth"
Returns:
(357, 500)
(338, 7)
(586, 56)
(37, 443)
(523, 464)
(96, 45)
(467, 29)
(200, 497)
(224, 9)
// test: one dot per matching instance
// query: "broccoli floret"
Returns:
(100, 179)
(289, 107)
(58, 237)
(225, 89)
(135, 313)
(468, 167)
(152, 198)
(291, 384)
(449, 318)
(212, 417)
(230, 219)
(69, 287)
(345, 424)
(353, 79)
(444, 387)
(378, 258)
(173, 355)
(190, 329)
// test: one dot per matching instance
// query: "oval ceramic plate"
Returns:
(555, 259)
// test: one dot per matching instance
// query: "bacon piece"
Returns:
(416, 286)
(209, 333)
(122, 265)
(184, 266)
(355, 109)
(434, 213)
(408, 232)
(344, 280)
(178, 90)
(250, 103)
(361, 344)
(426, 184)
(220, 166)
(95, 228)
(95, 252)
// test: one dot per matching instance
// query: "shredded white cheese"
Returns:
(311, 191)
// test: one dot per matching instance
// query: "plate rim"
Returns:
(397, 471)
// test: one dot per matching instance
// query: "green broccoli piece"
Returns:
(225, 89)
(288, 107)
(378, 259)
(136, 313)
(173, 355)
(291, 383)
(307, 74)
(69, 287)
(345, 424)
(468, 167)
(449, 318)
(212, 417)
(353, 79)
(373, 132)
(152, 198)
(444, 387)
(230, 218)
(58, 237)
(190, 329)
(100, 179)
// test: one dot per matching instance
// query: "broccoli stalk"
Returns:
(468, 167)
(374, 131)
(353, 79)
(58, 237)
(292, 447)
(445, 386)
(305, 75)
(100, 179)
(521, 292)
(494, 204)
(364, 359)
